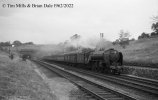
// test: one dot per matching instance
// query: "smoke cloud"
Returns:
(74, 45)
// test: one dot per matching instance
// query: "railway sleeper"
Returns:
(103, 93)
(115, 99)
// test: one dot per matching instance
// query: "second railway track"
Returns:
(97, 91)
(144, 87)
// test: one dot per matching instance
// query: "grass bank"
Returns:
(143, 52)
(18, 81)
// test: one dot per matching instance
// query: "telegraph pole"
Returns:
(101, 40)
(9, 48)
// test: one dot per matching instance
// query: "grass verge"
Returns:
(18, 81)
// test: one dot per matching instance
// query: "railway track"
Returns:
(141, 85)
(96, 91)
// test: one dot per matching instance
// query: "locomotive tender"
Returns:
(106, 60)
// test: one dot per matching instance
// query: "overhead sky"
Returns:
(87, 18)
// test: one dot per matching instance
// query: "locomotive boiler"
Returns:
(108, 61)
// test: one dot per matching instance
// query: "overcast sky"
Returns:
(87, 18)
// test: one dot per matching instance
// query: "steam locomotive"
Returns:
(108, 61)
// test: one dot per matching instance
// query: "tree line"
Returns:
(124, 40)
(154, 27)
(15, 43)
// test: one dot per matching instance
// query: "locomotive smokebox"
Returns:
(114, 56)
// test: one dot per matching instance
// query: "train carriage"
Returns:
(81, 58)
(70, 58)
(60, 58)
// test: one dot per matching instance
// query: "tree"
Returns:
(75, 37)
(133, 39)
(155, 27)
(5, 43)
(28, 43)
(124, 34)
(124, 38)
(155, 18)
(153, 34)
(17, 43)
(116, 42)
(144, 35)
